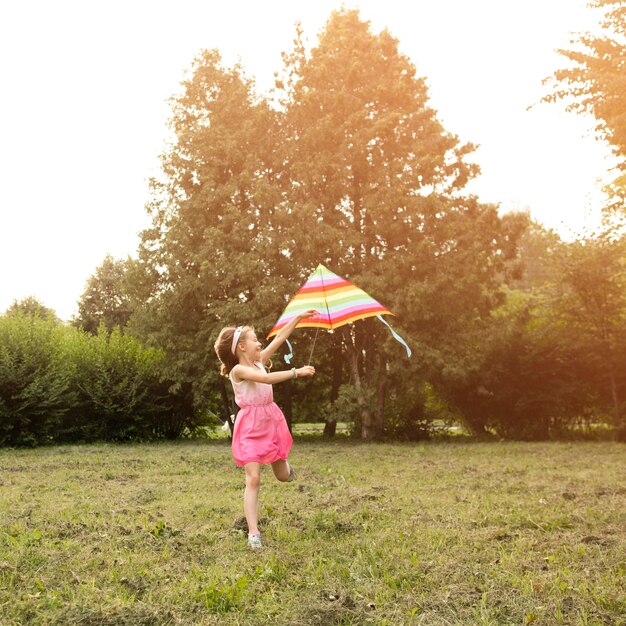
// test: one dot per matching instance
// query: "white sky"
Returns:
(83, 108)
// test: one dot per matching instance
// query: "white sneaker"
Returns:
(292, 474)
(254, 541)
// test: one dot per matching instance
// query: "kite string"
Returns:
(313, 346)
(323, 302)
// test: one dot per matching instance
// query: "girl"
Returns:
(261, 435)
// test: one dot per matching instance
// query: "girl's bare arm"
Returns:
(285, 331)
(243, 372)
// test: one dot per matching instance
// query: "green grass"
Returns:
(438, 533)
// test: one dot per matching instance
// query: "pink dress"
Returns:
(261, 433)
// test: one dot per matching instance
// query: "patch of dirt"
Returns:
(334, 608)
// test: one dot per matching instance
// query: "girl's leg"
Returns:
(282, 470)
(251, 496)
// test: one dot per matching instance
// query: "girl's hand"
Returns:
(284, 333)
(307, 370)
(309, 313)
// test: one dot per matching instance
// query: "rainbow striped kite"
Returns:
(338, 302)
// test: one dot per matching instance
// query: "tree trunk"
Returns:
(610, 359)
(614, 395)
(367, 421)
(330, 428)
(379, 425)
(227, 407)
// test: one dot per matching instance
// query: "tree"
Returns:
(375, 185)
(213, 243)
(351, 169)
(105, 299)
(592, 301)
(31, 307)
(530, 379)
(534, 265)
(596, 81)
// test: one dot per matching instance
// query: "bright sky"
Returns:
(83, 112)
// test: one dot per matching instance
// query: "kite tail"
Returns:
(289, 356)
(395, 335)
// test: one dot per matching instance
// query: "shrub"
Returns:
(58, 383)
(116, 379)
(35, 379)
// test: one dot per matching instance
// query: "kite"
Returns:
(337, 301)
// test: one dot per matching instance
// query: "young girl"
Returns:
(261, 435)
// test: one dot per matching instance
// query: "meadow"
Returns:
(436, 533)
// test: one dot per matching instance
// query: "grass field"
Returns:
(436, 533)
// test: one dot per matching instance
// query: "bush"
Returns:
(115, 380)
(534, 377)
(58, 383)
(36, 379)
(415, 412)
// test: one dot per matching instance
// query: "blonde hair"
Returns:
(224, 347)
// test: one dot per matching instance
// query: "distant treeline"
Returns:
(514, 333)
(548, 362)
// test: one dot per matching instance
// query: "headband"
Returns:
(236, 336)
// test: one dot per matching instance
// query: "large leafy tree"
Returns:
(31, 307)
(352, 169)
(595, 80)
(376, 186)
(592, 302)
(554, 356)
(105, 299)
(362, 145)
(533, 267)
(216, 222)
(534, 379)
